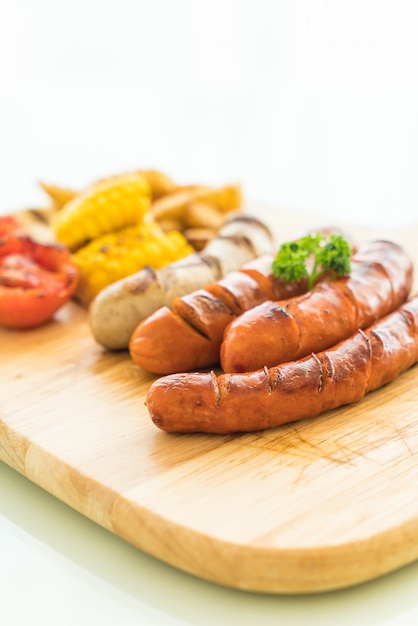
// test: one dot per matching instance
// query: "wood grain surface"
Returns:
(310, 506)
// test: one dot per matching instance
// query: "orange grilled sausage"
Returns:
(267, 398)
(188, 335)
(120, 307)
(277, 331)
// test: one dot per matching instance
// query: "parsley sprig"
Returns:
(312, 256)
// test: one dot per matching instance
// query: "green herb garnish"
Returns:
(312, 256)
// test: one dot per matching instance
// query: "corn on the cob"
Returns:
(114, 256)
(173, 205)
(103, 208)
(160, 184)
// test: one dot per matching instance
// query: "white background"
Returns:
(312, 106)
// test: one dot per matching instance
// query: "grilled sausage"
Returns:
(120, 307)
(189, 335)
(275, 332)
(267, 398)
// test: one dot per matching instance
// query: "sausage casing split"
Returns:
(277, 331)
(120, 307)
(188, 335)
(270, 397)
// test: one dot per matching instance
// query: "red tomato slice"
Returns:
(35, 281)
(10, 226)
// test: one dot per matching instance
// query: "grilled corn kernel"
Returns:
(111, 257)
(103, 208)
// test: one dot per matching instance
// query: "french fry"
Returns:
(225, 199)
(160, 183)
(173, 205)
(200, 214)
(59, 196)
(198, 238)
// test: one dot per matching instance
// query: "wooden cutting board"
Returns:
(311, 506)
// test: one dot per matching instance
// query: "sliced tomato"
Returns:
(35, 281)
(10, 226)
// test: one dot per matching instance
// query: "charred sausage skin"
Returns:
(188, 334)
(250, 318)
(119, 308)
(270, 397)
(277, 331)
